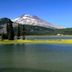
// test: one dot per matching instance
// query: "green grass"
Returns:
(61, 41)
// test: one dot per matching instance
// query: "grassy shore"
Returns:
(61, 41)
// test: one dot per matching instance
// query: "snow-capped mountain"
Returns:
(35, 21)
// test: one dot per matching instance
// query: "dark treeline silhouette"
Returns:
(8, 31)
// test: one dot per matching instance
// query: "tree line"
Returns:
(8, 31)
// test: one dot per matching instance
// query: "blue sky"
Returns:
(58, 12)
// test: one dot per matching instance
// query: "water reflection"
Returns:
(36, 57)
(6, 55)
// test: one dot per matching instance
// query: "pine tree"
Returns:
(23, 32)
(18, 32)
(10, 31)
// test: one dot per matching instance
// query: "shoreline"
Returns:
(58, 41)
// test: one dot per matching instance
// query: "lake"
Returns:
(36, 57)
(48, 37)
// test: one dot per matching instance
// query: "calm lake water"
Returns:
(36, 57)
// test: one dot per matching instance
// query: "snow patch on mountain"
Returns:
(28, 19)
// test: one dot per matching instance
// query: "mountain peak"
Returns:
(28, 19)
